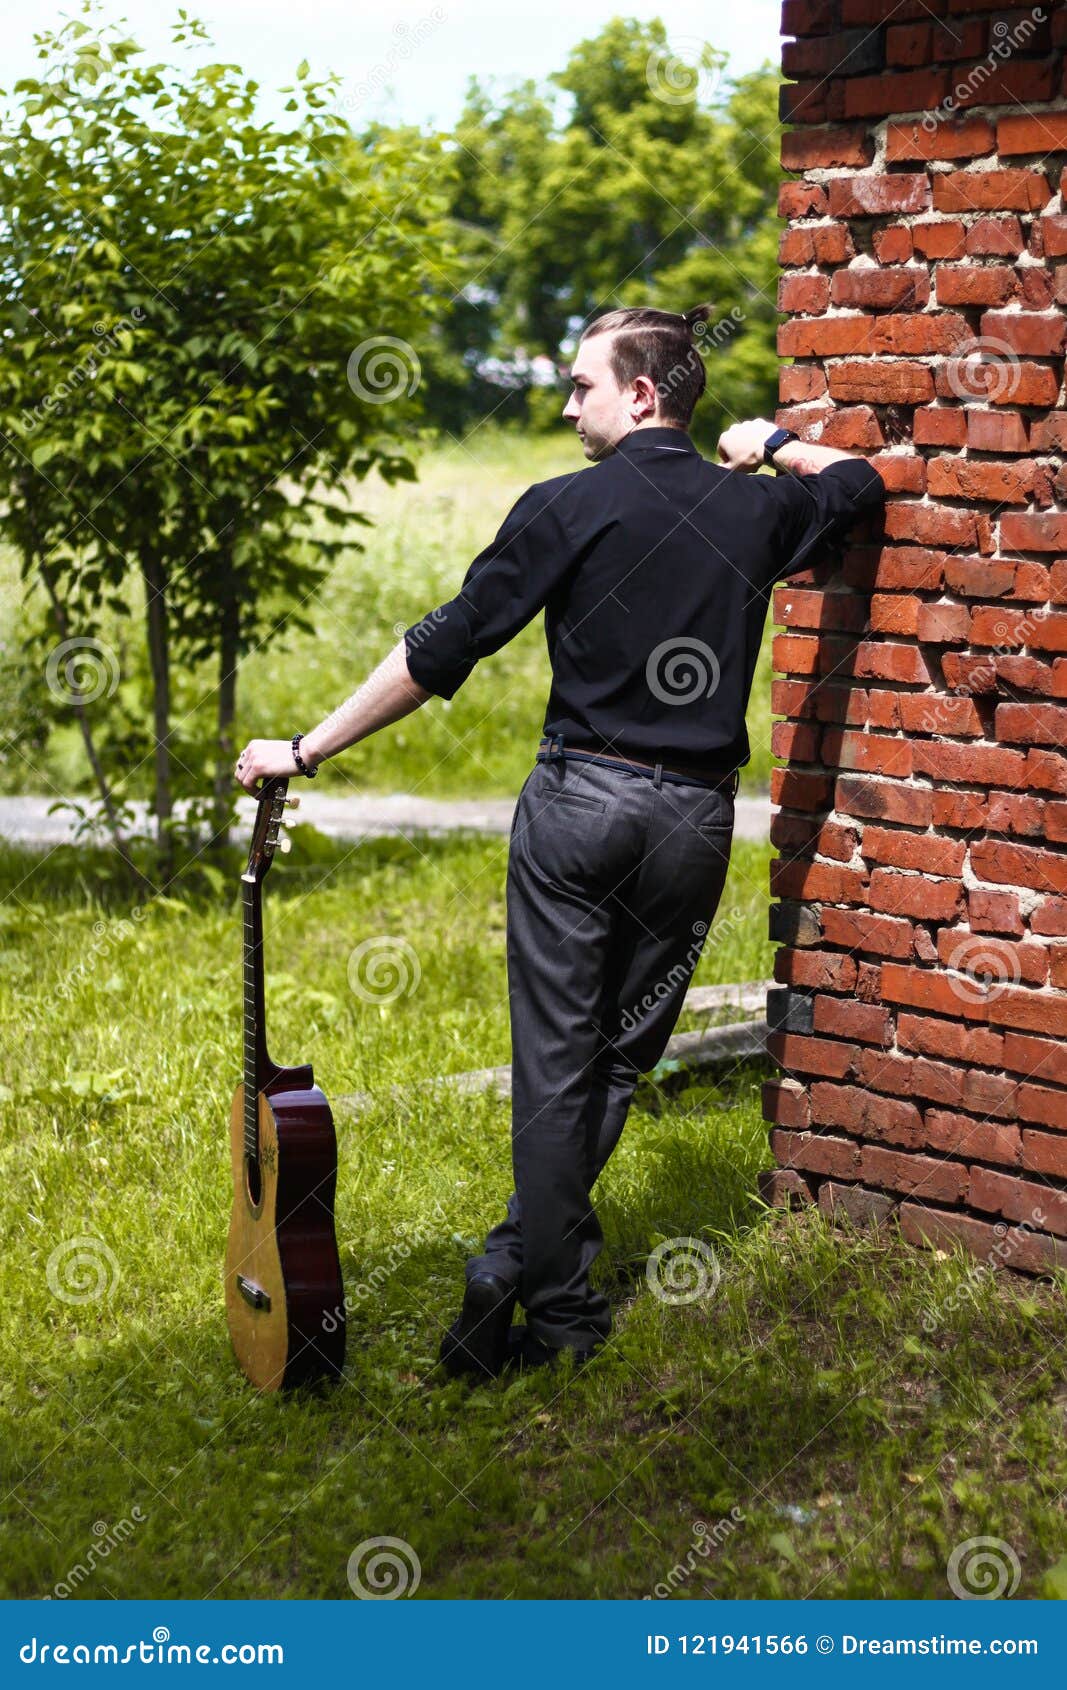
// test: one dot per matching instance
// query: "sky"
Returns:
(403, 61)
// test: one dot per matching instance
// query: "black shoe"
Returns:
(477, 1340)
(526, 1352)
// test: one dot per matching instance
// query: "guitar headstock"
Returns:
(266, 829)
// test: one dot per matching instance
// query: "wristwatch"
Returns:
(774, 443)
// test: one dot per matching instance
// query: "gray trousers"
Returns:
(613, 880)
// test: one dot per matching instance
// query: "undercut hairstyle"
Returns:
(661, 345)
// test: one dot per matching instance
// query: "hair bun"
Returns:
(697, 314)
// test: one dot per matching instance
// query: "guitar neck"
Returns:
(256, 1063)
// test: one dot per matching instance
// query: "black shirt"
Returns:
(654, 567)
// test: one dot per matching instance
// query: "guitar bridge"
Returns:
(253, 1294)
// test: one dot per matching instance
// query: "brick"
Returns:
(951, 138)
(785, 1188)
(800, 382)
(846, 52)
(855, 1204)
(1029, 80)
(808, 17)
(929, 525)
(962, 1136)
(1035, 334)
(978, 954)
(1032, 132)
(894, 246)
(882, 289)
(939, 426)
(928, 1177)
(1019, 1200)
(803, 102)
(974, 284)
(1034, 532)
(1026, 1251)
(831, 243)
(906, 849)
(993, 912)
(1044, 1153)
(946, 239)
(991, 190)
(995, 237)
(842, 146)
(998, 380)
(882, 382)
(1032, 724)
(919, 895)
(997, 483)
(878, 196)
(801, 199)
(904, 91)
(806, 294)
(996, 431)
(1052, 235)
(816, 1152)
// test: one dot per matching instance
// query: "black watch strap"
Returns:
(774, 443)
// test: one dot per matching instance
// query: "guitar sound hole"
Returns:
(254, 1181)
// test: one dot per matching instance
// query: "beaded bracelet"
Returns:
(301, 765)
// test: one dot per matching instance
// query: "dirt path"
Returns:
(24, 820)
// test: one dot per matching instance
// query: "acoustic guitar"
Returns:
(284, 1296)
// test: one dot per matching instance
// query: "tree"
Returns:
(211, 325)
(656, 186)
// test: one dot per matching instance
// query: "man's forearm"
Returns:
(387, 694)
(804, 457)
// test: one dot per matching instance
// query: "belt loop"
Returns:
(736, 782)
(657, 778)
(555, 747)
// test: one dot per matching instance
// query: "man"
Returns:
(654, 569)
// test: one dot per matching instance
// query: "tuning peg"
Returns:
(293, 803)
(284, 843)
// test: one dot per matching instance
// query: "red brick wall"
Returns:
(921, 1013)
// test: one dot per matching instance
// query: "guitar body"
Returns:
(284, 1293)
(285, 1303)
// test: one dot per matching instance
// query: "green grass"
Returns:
(863, 1406)
(482, 741)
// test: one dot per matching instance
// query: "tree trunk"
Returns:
(224, 783)
(159, 658)
(143, 885)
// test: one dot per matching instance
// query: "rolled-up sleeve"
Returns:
(505, 586)
(811, 511)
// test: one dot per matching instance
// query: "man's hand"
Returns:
(741, 446)
(262, 758)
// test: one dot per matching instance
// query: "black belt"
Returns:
(553, 746)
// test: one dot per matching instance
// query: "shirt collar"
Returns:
(652, 439)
